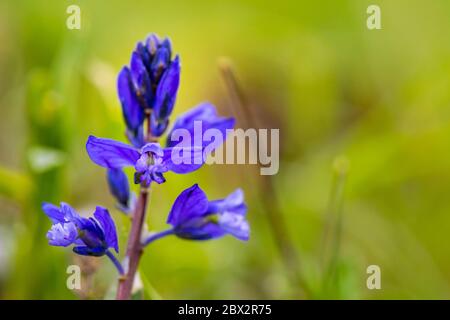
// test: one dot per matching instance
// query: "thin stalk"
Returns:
(250, 118)
(157, 236)
(134, 248)
(331, 238)
(116, 262)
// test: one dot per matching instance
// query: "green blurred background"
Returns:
(364, 120)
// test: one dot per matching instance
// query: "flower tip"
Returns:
(90, 139)
(45, 204)
(176, 61)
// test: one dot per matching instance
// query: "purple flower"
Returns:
(150, 162)
(132, 111)
(120, 189)
(150, 82)
(166, 94)
(91, 236)
(194, 217)
(195, 122)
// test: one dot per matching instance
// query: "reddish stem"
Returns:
(134, 249)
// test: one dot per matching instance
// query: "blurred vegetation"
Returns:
(364, 118)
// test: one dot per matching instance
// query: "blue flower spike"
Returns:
(150, 82)
(147, 89)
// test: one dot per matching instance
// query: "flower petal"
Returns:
(62, 234)
(158, 127)
(166, 92)
(160, 62)
(152, 43)
(109, 228)
(233, 203)
(118, 186)
(141, 80)
(110, 153)
(53, 212)
(191, 203)
(183, 159)
(87, 251)
(136, 138)
(70, 215)
(132, 111)
(197, 121)
(235, 224)
(204, 231)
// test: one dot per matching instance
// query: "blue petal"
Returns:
(141, 81)
(158, 177)
(191, 203)
(158, 127)
(235, 224)
(87, 251)
(233, 203)
(70, 215)
(145, 55)
(136, 138)
(152, 43)
(110, 153)
(154, 148)
(167, 44)
(167, 90)
(53, 212)
(91, 233)
(183, 159)
(160, 63)
(118, 185)
(62, 234)
(109, 228)
(204, 230)
(132, 111)
(205, 117)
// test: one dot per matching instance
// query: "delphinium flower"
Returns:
(194, 217)
(92, 236)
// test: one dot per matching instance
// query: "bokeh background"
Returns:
(364, 119)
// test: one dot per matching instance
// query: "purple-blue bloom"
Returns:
(166, 94)
(150, 162)
(120, 189)
(205, 115)
(150, 82)
(194, 217)
(91, 236)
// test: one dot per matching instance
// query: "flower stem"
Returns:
(115, 262)
(134, 248)
(157, 236)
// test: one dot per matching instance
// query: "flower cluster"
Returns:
(149, 85)
(147, 91)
